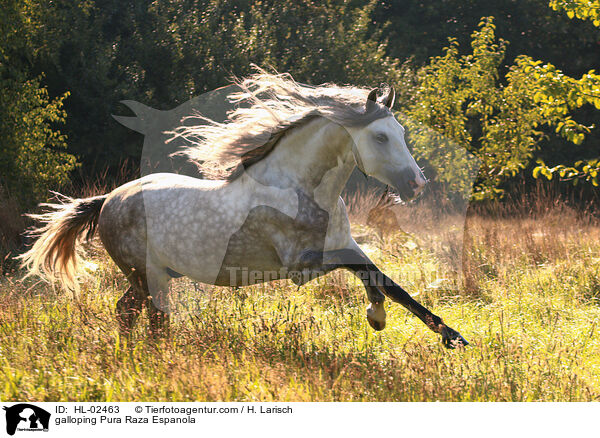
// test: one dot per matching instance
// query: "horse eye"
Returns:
(381, 138)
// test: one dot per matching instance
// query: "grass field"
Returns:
(529, 305)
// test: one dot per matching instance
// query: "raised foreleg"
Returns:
(314, 264)
(357, 262)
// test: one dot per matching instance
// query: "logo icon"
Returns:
(26, 417)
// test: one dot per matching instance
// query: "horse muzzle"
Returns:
(408, 184)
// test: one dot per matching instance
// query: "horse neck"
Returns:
(316, 157)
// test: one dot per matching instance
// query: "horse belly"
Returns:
(251, 257)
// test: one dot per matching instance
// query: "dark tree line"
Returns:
(65, 65)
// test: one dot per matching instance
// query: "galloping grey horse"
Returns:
(272, 209)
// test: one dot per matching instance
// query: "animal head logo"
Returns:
(26, 417)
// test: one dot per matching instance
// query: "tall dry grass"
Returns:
(526, 294)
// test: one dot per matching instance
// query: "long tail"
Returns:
(54, 255)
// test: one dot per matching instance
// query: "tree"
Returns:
(582, 9)
(164, 52)
(465, 99)
(32, 150)
(560, 93)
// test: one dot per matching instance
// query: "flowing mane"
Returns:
(266, 107)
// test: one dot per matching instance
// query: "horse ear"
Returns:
(389, 101)
(372, 95)
(371, 98)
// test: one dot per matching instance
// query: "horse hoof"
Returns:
(377, 325)
(452, 339)
(376, 316)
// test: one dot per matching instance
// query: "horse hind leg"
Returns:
(129, 306)
(128, 310)
(148, 292)
(159, 321)
(158, 301)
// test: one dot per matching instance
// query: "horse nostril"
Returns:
(413, 184)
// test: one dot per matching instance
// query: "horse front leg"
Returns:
(450, 337)
(313, 264)
(356, 261)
